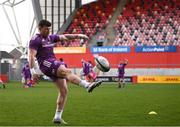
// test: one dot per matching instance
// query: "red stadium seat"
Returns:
(142, 21)
(90, 14)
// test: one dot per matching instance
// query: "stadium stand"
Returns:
(92, 18)
(148, 22)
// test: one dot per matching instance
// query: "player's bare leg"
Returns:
(90, 78)
(25, 84)
(61, 100)
(28, 83)
(65, 72)
(120, 83)
(123, 83)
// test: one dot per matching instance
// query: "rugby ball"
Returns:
(102, 63)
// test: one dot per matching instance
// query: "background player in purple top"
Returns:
(41, 47)
(121, 72)
(26, 75)
(88, 72)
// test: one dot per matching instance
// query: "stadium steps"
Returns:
(109, 29)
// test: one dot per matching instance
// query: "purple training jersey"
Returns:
(121, 68)
(43, 46)
(87, 68)
(26, 72)
(45, 55)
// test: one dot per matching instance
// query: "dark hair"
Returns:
(89, 61)
(43, 23)
(61, 59)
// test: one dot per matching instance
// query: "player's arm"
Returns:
(82, 61)
(73, 36)
(126, 61)
(32, 54)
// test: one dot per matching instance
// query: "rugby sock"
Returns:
(58, 114)
(84, 83)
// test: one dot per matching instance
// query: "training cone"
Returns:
(152, 113)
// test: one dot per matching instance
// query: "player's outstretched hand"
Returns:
(63, 38)
(83, 36)
(126, 61)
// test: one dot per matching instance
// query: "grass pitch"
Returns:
(106, 106)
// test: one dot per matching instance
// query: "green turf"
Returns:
(106, 106)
